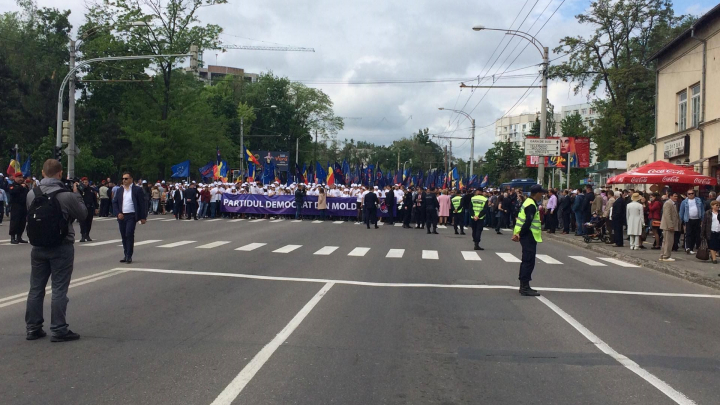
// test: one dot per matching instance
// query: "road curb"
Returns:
(657, 266)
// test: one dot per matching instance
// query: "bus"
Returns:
(523, 184)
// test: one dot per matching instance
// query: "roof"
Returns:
(705, 18)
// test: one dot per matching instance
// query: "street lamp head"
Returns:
(478, 27)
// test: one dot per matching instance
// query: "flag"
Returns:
(461, 185)
(455, 177)
(14, 166)
(26, 171)
(207, 171)
(181, 169)
(251, 158)
(379, 179)
(268, 175)
(330, 179)
(251, 172)
(339, 174)
(473, 181)
(305, 174)
(484, 181)
(369, 171)
(346, 172)
(300, 176)
(320, 175)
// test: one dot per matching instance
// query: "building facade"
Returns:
(517, 127)
(212, 74)
(687, 111)
(586, 110)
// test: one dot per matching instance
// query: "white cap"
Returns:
(144, 182)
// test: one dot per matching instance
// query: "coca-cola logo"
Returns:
(665, 171)
(639, 180)
(671, 179)
(702, 181)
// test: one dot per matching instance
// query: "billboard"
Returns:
(575, 149)
(281, 159)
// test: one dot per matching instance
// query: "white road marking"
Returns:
(213, 244)
(547, 259)
(359, 251)
(661, 385)
(102, 219)
(168, 220)
(231, 392)
(176, 244)
(430, 254)
(471, 255)
(250, 247)
(442, 227)
(338, 222)
(399, 224)
(317, 222)
(415, 285)
(395, 253)
(237, 220)
(146, 242)
(48, 289)
(287, 249)
(75, 283)
(618, 262)
(297, 220)
(212, 220)
(105, 242)
(327, 250)
(587, 261)
(5, 241)
(154, 219)
(277, 220)
(258, 220)
(509, 257)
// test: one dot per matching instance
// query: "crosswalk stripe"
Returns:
(297, 220)
(359, 251)
(442, 227)
(5, 241)
(168, 220)
(287, 249)
(212, 245)
(213, 220)
(399, 224)
(547, 259)
(430, 254)
(338, 222)
(237, 220)
(105, 242)
(176, 244)
(618, 262)
(587, 261)
(317, 222)
(277, 220)
(470, 255)
(102, 219)
(509, 257)
(327, 250)
(258, 220)
(395, 253)
(146, 242)
(251, 246)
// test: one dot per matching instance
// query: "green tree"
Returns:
(504, 162)
(573, 126)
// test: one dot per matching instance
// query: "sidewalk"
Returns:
(686, 266)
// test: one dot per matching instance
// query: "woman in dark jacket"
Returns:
(712, 236)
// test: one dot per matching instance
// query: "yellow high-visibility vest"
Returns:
(456, 203)
(535, 226)
(478, 203)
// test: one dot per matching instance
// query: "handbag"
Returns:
(656, 223)
(702, 253)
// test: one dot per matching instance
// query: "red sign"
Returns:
(575, 149)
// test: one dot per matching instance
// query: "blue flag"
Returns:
(320, 173)
(26, 171)
(181, 169)
(268, 172)
(207, 171)
(484, 181)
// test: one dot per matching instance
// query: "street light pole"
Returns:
(71, 114)
(472, 137)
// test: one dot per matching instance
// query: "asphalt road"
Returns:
(304, 315)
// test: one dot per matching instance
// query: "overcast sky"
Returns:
(400, 40)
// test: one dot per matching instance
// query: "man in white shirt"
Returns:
(130, 206)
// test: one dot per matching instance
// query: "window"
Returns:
(695, 105)
(584, 111)
(591, 111)
(505, 129)
(524, 126)
(682, 111)
(575, 112)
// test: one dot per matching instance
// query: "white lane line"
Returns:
(297, 220)
(287, 249)
(237, 220)
(106, 219)
(277, 220)
(231, 392)
(338, 222)
(168, 220)
(146, 242)
(661, 385)
(258, 220)
(471, 255)
(5, 241)
(317, 222)
(359, 251)
(587, 261)
(48, 289)
(250, 247)
(76, 283)
(547, 259)
(105, 242)
(415, 285)
(176, 244)
(430, 254)
(327, 250)
(395, 253)
(618, 262)
(213, 244)
(509, 257)
(212, 220)
(154, 219)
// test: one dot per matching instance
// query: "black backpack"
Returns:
(46, 225)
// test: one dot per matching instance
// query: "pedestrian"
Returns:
(390, 205)
(89, 197)
(104, 194)
(370, 204)
(670, 223)
(178, 202)
(711, 229)
(17, 194)
(407, 208)
(204, 201)
(444, 207)
(577, 208)
(691, 214)
(3, 203)
(57, 255)
(155, 195)
(654, 207)
(479, 204)
(619, 219)
(322, 203)
(191, 201)
(300, 194)
(131, 208)
(551, 216)
(635, 222)
(431, 210)
(528, 232)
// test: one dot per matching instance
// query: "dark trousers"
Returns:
(104, 207)
(390, 217)
(408, 216)
(692, 234)
(566, 221)
(618, 232)
(370, 215)
(551, 221)
(298, 209)
(477, 229)
(676, 240)
(2, 210)
(501, 220)
(127, 231)
(17, 222)
(529, 249)
(431, 219)
(178, 210)
(56, 261)
(459, 220)
(420, 217)
(191, 209)
(86, 224)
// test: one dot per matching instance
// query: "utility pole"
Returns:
(71, 115)
(472, 149)
(297, 148)
(315, 147)
(446, 158)
(242, 148)
(543, 114)
(398, 160)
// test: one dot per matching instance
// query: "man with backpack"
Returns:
(51, 211)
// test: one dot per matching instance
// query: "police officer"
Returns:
(89, 197)
(370, 204)
(431, 210)
(17, 192)
(458, 213)
(479, 205)
(529, 233)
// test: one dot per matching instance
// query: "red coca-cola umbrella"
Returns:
(662, 172)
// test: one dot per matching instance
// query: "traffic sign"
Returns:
(542, 147)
